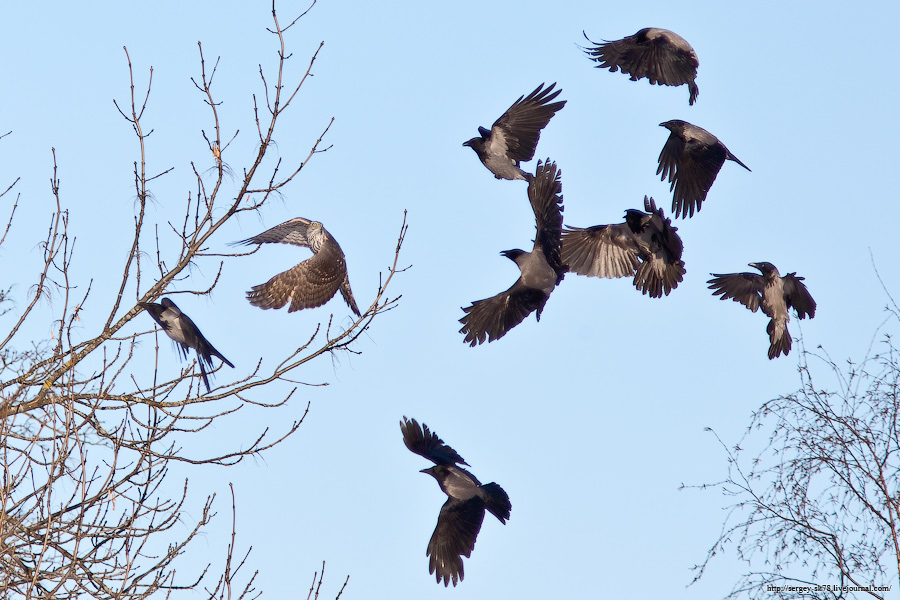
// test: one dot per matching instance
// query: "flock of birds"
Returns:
(646, 247)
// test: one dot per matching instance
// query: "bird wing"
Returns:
(796, 295)
(310, 284)
(426, 443)
(454, 537)
(545, 195)
(600, 251)
(492, 318)
(692, 168)
(516, 133)
(746, 288)
(662, 57)
(289, 232)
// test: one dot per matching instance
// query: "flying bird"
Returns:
(313, 282)
(771, 292)
(691, 159)
(660, 55)
(514, 136)
(541, 269)
(185, 334)
(461, 516)
(645, 246)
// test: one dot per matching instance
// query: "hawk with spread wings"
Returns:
(311, 283)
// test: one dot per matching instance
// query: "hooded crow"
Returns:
(646, 246)
(660, 55)
(771, 292)
(541, 269)
(461, 516)
(185, 334)
(691, 159)
(514, 136)
(313, 282)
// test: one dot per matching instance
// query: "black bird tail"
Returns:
(496, 501)
(779, 344)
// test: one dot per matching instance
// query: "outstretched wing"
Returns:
(516, 133)
(746, 288)
(310, 284)
(796, 295)
(545, 195)
(600, 251)
(426, 443)
(289, 232)
(454, 537)
(492, 318)
(691, 168)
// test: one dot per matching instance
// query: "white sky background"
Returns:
(590, 419)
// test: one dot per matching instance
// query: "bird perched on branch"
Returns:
(514, 136)
(185, 334)
(646, 246)
(311, 283)
(691, 159)
(771, 292)
(660, 55)
(461, 516)
(541, 269)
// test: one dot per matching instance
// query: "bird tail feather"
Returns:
(779, 340)
(496, 501)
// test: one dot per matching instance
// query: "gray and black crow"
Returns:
(314, 281)
(660, 55)
(646, 246)
(541, 269)
(514, 136)
(771, 292)
(461, 516)
(691, 159)
(184, 333)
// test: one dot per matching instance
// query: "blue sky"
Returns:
(590, 419)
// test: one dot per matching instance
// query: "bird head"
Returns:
(513, 254)
(169, 305)
(675, 125)
(433, 471)
(766, 268)
(471, 143)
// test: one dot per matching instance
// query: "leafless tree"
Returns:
(816, 511)
(85, 446)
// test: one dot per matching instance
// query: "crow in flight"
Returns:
(461, 516)
(314, 281)
(691, 159)
(514, 136)
(771, 292)
(660, 55)
(646, 246)
(541, 269)
(184, 333)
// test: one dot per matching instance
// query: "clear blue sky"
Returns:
(590, 419)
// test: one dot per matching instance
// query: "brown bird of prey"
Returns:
(691, 159)
(185, 334)
(660, 55)
(313, 282)
(514, 136)
(771, 292)
(646, 246)
(541, 269)
(461, 516)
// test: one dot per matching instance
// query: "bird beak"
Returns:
(754, 265)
